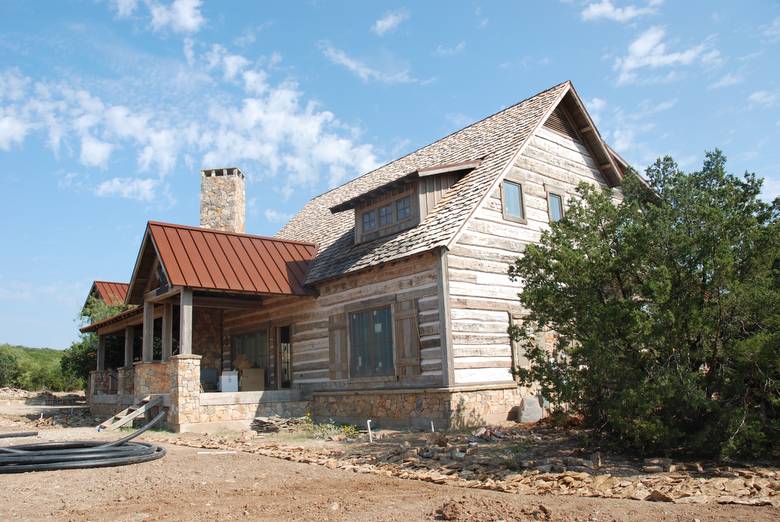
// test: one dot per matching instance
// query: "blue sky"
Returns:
(108, 109)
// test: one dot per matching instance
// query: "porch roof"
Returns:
(206, 259)
(121, 316)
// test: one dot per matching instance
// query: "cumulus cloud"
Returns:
(128, 188)
(726, 80)
(274, 216)
(389, 22)
(94, 152)
(124, 8)
(364, 71)
(649, 51)
(606, 10)
(270, 128)
(180, 16)
(442, 51)
(763, 98)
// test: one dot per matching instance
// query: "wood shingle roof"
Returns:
(494, 140)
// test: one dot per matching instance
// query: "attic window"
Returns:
(388, 215)
(512, 201)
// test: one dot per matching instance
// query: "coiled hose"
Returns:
(48, 456)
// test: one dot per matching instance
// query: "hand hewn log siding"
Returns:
(481, 293)
(414, 278)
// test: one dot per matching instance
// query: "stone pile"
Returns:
(274, 424)
(465, 463)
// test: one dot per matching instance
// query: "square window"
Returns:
(512, 194)
(403, 208)
(555, 201)
(386, 216)
(371, 343)
(369, 221)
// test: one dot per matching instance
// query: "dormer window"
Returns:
(385, 216)
(369, 221)
(403, 208)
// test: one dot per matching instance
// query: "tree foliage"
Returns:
(667, 308)
(33, 369)
(80, 358)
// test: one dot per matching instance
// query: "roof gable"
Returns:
(110, 292)
(206, 259)
(494, 140)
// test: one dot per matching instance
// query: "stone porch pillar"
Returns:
(148, 332)
(185, 391)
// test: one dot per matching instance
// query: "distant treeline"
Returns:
(35, 369)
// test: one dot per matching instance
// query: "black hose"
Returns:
(18, 434)
(49, 456)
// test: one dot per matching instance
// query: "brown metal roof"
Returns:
(138, 310)
(202, 258)
(110, 292)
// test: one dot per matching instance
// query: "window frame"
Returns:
(363, 220)
(522, 220)
(554, 190)
(395, 203)
(356, 309)
(392, 220)
(362, 235)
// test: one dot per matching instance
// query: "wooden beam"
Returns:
(587, 128)
(167, 331)
(148, 332)
(158, 294)
(185, 322)
(129, 335)
(226, 302)
(101, 353)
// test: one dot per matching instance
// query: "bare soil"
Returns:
(197, 484)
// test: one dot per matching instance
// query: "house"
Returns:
(385, 298)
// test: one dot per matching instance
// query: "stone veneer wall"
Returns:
(125, 380)
(103, 382)
(207, 336)
(446, 407)
(151, 378)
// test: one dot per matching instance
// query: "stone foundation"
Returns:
(151, 378)
(449, 408)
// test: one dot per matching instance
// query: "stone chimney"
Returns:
(223, 199)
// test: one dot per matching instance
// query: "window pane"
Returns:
(403, 208)
(386, 216)
(556, 207)
(371, 343)
(285, 356)
(513, 200)
(369, 221)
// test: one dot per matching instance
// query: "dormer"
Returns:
(404, 202)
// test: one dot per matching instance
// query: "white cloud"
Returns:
(726, 81)
(128, 188)
(94, 152)
(763, 98)
(606, 10)
(389, 22)
(363, 71)
(12, 130)
(443, 51)
(124, 8)
(274, 216)
(268, 128)
(181, 16)
(772, 31)
(595, 107)
(650, 51)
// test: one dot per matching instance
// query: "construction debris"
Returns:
(275, 424)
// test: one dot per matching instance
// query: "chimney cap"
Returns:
(222, 171)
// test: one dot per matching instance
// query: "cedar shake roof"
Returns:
(206, 259)
(110, 292)
(494, 140)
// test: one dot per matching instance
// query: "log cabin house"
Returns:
(385, 298)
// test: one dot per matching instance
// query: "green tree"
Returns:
(667, 307)
(9, 368)
(80, 358)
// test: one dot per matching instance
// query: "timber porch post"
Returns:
(129, 334)
(101, 353)
(148, 332)
(185, 322)
(167, 331)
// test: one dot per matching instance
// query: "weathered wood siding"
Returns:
(414, 278)
(432, 188)
(481, 295)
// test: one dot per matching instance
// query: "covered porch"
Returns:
(174, 343)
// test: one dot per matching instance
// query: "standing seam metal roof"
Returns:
(201, 258)
(112, 293)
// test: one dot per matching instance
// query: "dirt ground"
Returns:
(197, 484)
